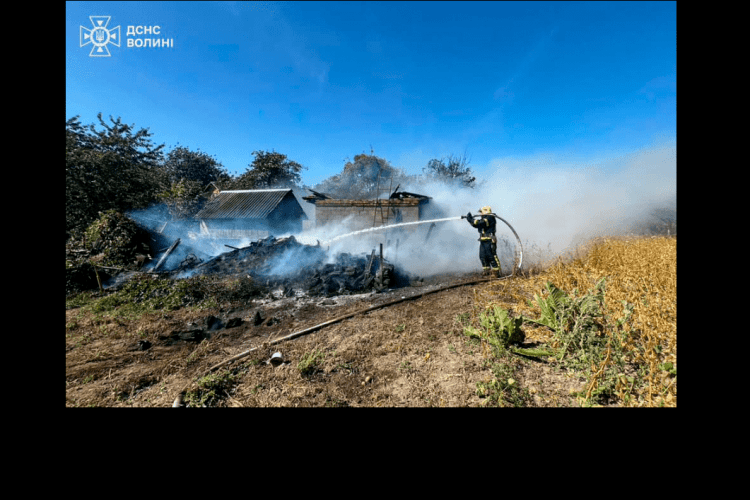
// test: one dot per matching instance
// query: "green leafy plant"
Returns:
(497, 328)
(576, 321)
(503, 389)
(669, 368)
(147, 294)
(551, 308)
(534, 353)
(310, 362)
(589, 339)
(211, 389)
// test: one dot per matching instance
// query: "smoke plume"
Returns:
(554, 204)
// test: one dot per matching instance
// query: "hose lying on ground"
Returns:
(178, 399)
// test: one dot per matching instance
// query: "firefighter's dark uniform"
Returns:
(485, 224)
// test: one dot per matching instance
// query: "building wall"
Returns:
(287, 217)
(234, 229)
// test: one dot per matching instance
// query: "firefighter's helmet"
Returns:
(485, 210)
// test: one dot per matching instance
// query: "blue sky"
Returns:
(527, 85)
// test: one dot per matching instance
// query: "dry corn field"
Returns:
(641, 286)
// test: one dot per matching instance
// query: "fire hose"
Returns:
(519, 250)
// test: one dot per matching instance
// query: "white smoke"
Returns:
(558, 202)
(553, 203)
(167, 230)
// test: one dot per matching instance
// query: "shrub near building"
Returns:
(112, 240)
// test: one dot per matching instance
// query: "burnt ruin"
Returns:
(294, 269)
(239, 234)
(399, 207)
(276, 267)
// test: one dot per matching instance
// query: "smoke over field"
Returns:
(562, 202)
(553, 204)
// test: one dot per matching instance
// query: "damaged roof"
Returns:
(315, 196)
(397, 195)
(401, 195)
(246, 204)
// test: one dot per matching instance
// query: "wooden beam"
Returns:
(164, 257)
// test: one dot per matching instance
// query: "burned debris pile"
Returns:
(292, 268)
(115, 250)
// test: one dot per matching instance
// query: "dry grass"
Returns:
(641, 272)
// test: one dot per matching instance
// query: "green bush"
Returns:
(588, 339)
(117, 238)
(497, 328)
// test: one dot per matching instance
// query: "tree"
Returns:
(117, 167)
(452, 170)
(183, 164)
(182, 198)
(78, 192)
(269, 170)
(362, 178)
(188, 173)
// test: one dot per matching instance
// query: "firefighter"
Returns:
(485, 224)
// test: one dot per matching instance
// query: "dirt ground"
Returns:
(412, 354)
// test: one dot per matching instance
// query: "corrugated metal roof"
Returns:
(245, 204)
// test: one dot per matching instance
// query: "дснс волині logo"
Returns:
(100, 36)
